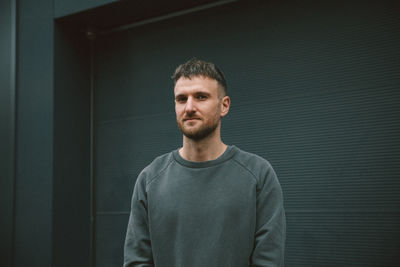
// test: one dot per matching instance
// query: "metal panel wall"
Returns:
(7, 129)
(34, 152)
(314, 89)
(68, 7)
(72, 224)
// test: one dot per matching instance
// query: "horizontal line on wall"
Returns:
(106, 213)
(294, 211)
(139, 117)
(326, 91)
(344, 211)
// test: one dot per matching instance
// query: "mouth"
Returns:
(191, 119)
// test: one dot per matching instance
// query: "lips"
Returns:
(190, 119)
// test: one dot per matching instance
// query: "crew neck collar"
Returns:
(228, 153)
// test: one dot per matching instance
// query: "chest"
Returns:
(190, 196)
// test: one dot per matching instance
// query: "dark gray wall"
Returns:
(7, 129)
(52, 181)
(34, 176)
(72, 222)
(103, 15)
(52, 201)
(314, 89)
(46, 186)
(65, 8)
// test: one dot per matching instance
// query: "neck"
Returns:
(209, 148)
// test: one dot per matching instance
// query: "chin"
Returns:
(199, 133)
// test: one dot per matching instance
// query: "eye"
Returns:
(180, 99)
(202, 97)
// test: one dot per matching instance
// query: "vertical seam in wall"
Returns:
(92, 246)
(53, 126)
(13, 129)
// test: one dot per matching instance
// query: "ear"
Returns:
(225, 105)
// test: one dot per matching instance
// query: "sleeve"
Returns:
(270, 232)
(137, 249)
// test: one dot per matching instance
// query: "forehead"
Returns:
(195, 84)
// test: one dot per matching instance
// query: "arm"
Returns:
(137, 250)
(270, 223)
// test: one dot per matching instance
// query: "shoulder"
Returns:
(257, 166)
(250, 159)
(155, 168)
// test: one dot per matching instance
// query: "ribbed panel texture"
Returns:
(315, 89)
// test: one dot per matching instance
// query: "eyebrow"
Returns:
(202, 93)
(196, 93)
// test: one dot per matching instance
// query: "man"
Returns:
(206, 204)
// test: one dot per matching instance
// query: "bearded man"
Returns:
(206, 204)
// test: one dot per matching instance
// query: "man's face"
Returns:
(198, 107)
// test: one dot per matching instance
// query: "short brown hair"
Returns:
(196, 67)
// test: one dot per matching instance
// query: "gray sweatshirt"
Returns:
(225, 212)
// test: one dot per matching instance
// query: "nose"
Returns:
(190, 107)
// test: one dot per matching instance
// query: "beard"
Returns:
(201, 132)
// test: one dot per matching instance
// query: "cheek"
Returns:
(218, 109)
(178, 111)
